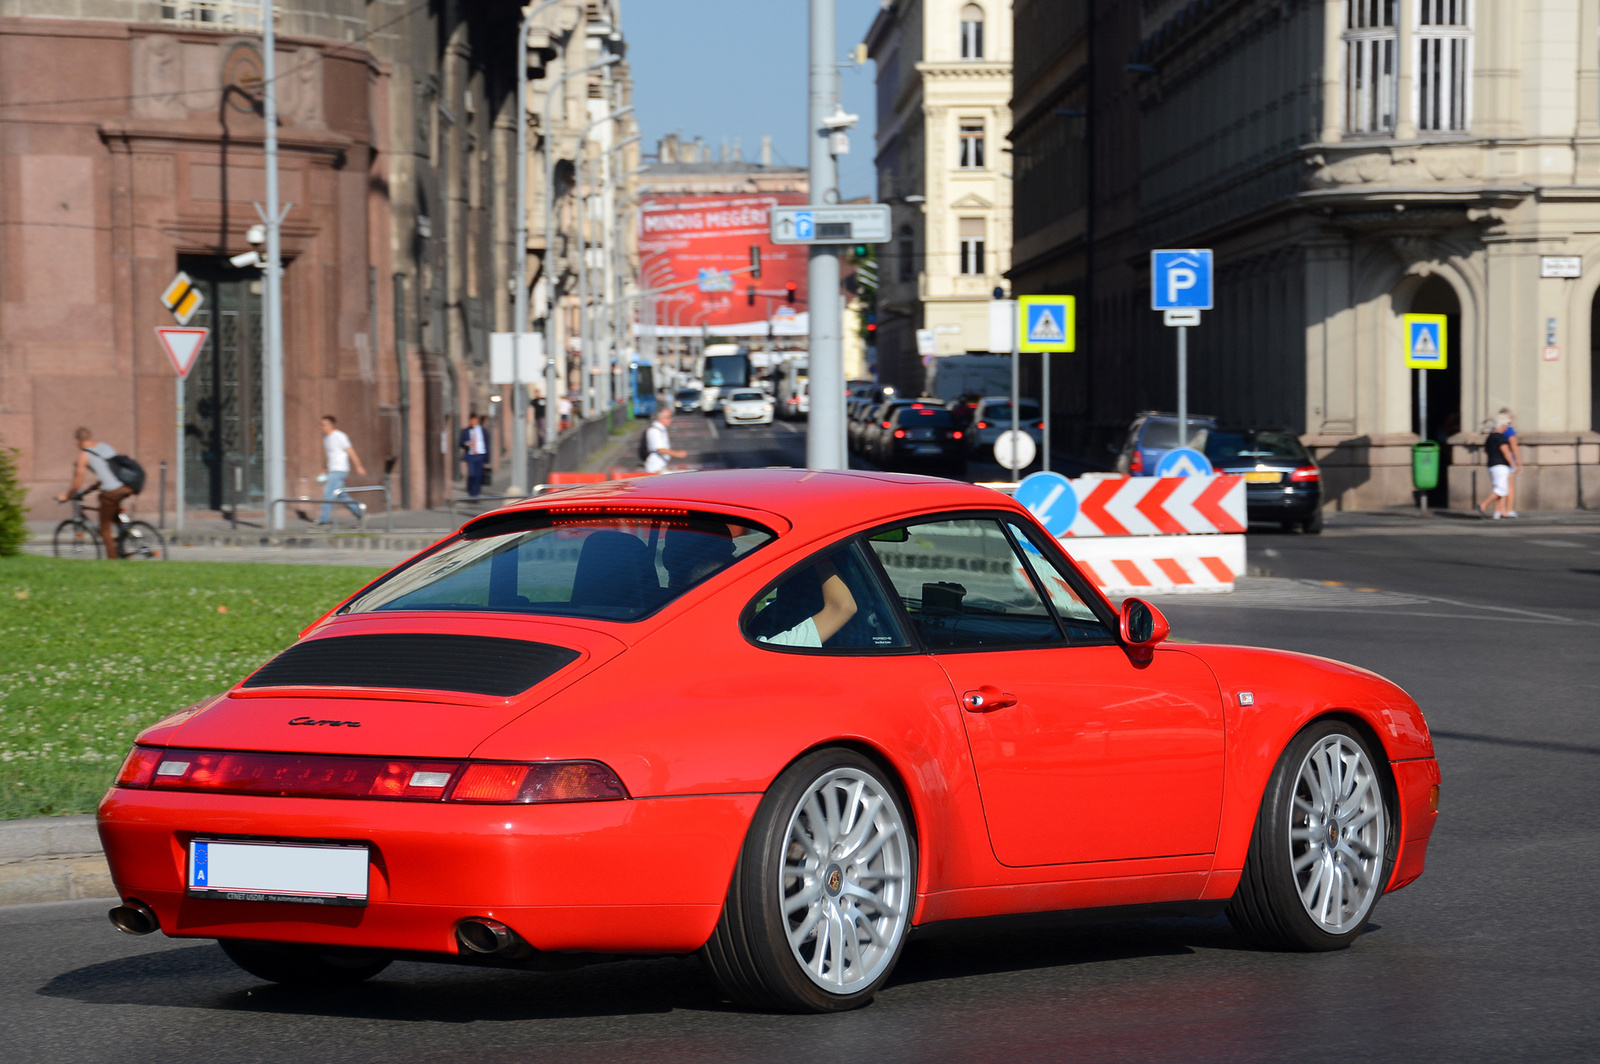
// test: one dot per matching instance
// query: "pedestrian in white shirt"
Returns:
(340, 456)
(658, 445)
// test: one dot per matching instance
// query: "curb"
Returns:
(54, 858)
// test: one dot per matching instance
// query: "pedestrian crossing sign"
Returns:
(1427, 341)
(1047, 323)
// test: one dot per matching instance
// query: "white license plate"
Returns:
(926, 448)
(314, 873)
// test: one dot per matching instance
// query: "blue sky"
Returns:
(737, 68)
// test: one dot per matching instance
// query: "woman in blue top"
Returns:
(1510, 433)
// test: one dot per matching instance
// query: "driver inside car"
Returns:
(800, 593)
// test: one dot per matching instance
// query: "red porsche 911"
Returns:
(775, 717)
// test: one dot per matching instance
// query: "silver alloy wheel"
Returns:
(845, 888)
(1336, 834)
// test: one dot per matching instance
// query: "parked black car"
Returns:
(1282, 483)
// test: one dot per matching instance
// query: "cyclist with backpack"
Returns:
(117, 476)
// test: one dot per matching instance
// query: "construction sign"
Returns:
(182, 298)
(1427, 338)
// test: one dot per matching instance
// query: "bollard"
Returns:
(161, 499)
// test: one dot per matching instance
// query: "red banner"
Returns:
(707, 238)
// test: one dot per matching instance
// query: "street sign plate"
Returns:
(710, 280)
(1183, 462)
(503, 358)
(1180, 317)
(1015, 449)
(855, 223)
(182, 298)
(1051, 499)
(1047, 323)
(1180, 279)
(927, 342)
(1002, 326)
(181, 346)
(1427, 339)
(1561, 266)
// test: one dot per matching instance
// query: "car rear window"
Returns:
(615, 567)
(1163, 435)
(1226, 446)
(1027, 410)
(925, 417)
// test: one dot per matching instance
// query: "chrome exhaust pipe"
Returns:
(483, 935)
(134, 918)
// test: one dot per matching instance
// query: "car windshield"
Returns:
(915, 417)
(1027, 410)
(615, 567)
(1163, 435)
(686, 394)
(746, 397)
(1226, 446)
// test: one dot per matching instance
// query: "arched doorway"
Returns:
(1435, 296)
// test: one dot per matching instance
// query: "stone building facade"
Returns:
(1350, 161)
(943, 86)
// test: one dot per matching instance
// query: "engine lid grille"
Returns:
(469, 664)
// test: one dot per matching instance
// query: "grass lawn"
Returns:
(93, 651)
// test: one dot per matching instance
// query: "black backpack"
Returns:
(126, 469)
(644, 444)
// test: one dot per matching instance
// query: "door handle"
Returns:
(986, 698)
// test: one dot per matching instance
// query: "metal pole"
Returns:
(1044, 411)
(161, 504)
(177, 513)
(1183, 386)
(825, 433)
(1422, 423)
(1016, 388)
(273, 435)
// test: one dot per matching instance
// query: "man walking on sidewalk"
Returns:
(1498, 448)
(475, 449)
(95, 459)
(340, 455)
(657, 444)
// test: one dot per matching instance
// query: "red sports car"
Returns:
(776, 717)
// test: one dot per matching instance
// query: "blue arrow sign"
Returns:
(1183, 462)
(1180, 280)
(1050, 498)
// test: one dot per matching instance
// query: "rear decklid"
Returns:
(396, 686)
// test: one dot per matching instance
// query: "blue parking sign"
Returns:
(1180, 279)
(805, 226)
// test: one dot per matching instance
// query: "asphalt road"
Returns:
(1494, 955)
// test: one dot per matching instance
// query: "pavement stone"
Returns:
(52, 859)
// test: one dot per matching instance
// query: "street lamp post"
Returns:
(825, 447)
(273, 432)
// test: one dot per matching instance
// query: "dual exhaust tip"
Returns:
(134, 918)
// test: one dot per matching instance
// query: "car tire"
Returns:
(1313, 524)
(774, 949)
(303, 966)
(1300, 860)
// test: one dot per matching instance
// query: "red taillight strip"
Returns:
(1306, 473)
(394, 779)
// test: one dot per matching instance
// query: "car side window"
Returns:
(1083, 625)
(834, 602)
(964, 586)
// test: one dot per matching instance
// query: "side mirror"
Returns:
(1142, 624)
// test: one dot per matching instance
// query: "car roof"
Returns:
(811, 502)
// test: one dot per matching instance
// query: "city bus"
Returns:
(720, 368)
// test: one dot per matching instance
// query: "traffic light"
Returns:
(750, 294)
(789, 290)
(861, 251)
(755, 261)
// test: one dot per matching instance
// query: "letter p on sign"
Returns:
(1180, 279)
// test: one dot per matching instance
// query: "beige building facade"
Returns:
(1350, 161)
(943, 91)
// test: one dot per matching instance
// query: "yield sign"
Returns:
(181, 346)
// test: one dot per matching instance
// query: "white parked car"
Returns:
(747, 406)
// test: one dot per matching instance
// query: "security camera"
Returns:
(245, 260)
(256, 235)
(839, 119)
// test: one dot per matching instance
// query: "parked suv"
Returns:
(1282, 483)
(1152, 435)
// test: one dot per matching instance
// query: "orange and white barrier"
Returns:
(1158, 506)
(1147, 565)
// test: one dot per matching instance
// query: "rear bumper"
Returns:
(1282, 503)
(638, 876)
(1414, 782)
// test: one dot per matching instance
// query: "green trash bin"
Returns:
(1425, 465)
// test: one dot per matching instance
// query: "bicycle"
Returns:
(136, 540)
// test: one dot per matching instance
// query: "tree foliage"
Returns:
(13, 515)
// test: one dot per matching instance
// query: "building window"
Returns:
(1444, 65)
(972, 144)
(908, 254)
(972, 32)
(1370, 41)
(972, 246)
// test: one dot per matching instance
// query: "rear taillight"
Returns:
(322, 776)
(899, 434)
(1038, 424)
(885, 424)
(1305, 474)
(542, 781)
(956, 435)
(983, 424)
(1136, 464)
(140, 766)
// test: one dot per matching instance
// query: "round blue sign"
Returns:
(1183, 462)
(1050, 498)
